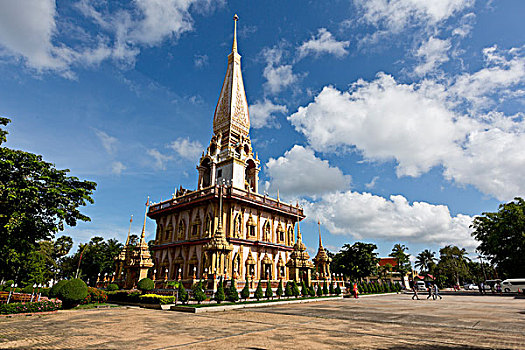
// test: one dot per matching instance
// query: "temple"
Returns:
(224, 228)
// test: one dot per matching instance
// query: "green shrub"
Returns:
(156, 299)
(73, 292)
(337, 290)
(245, 292)
(311, 291)
(325, 288)
(304, 289)
(232, 294)
(288, 289)
(183, 294)
(44, 291)
(259, 292)
(19, 308)
(269, 292)
(198, 293)
(145, 285)
(279, 292)
(54, 292)
(130, 296)
(28, 289)
(331, 289)
(112, 287)
(219, 296)
(95, 295)
(7, 285)
(319, 291)
(295, 289)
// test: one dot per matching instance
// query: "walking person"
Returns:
(429, 288)
(414, 289)
(436, 292)
(356, 291)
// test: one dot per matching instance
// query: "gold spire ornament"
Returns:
(234, 46)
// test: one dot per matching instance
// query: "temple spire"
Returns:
(143, 234)
(320, 240)
(129, 231)
(235, 19)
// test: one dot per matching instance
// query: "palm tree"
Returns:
(425, 260)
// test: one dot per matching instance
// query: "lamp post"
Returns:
(33, 292)
(11, 291)
(194, 272)
(180, 273)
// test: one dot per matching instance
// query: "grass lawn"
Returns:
(254, 301)
(94, 306)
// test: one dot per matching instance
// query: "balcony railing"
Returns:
(228, 192)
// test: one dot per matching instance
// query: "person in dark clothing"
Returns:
(429, 291)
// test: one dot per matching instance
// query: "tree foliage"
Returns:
(452, 267)
(356, 261)
(426, 261)
(219, 294)
(36, 201)
(403, 262)
(502, 237)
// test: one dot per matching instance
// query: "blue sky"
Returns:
(398, 120)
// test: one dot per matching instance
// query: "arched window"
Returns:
(290, 236)
(250, 227)
(250, 175)
(208, 226)
(237, 226)
(196, 227)
(280, 233)
(206, 173)
(182, 230)
(168, 232)
(267, 231)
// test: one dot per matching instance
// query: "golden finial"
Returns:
(278, 199)
(320, 240)
(143, 234)
(235, 19)
(129, 231)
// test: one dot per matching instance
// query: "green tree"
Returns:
(268, 293)
(245, 292)
(452, 265)
(325, 288)
(331, 289)
(36, 202)
(98, 257)
(145, 285)
(426, 261)
(233, 294)
(356, 261)
(337, 290)
(295, 289)
(183, 294)
(288, 289)
(311, 291)
(219, 294)
(198, 292)
(304, 289)
(319, 291)
(403, 262)
(259, 292)
(279, 292)
(502, 237)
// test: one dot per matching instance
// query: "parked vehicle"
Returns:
(421, 286)
(471, 286)
(513, 285)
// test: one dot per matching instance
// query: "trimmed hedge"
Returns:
(112, 287)
(145, 285)
(20, 308)
(157, 299)
(73, 292)
(57, 287)
(131, 296)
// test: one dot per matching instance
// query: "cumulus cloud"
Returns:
(159, 160)
(324, 42)
(300, 173)
(278, 75)
(262, 114)
(395, 15)
(108, 142)
(432, 54)
(186, 149)
(363, 215)
(117, 168)
(423, 125)
(29, 31)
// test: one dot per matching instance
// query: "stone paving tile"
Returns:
(387, 322)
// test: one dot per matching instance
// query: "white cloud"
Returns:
(372, 182)
(324, 42)
(187, 149)
(433, 53)
(29, 31)
(384, 120)
(117, 168)
(200, 61)
(160, 160)
(108, 142)
(363, 215)
(423, 125)
(278, 76)
(396, 15)
(300, 173)
(262, 114)
(504, 69)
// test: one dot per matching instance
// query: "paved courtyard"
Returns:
(381, 322)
